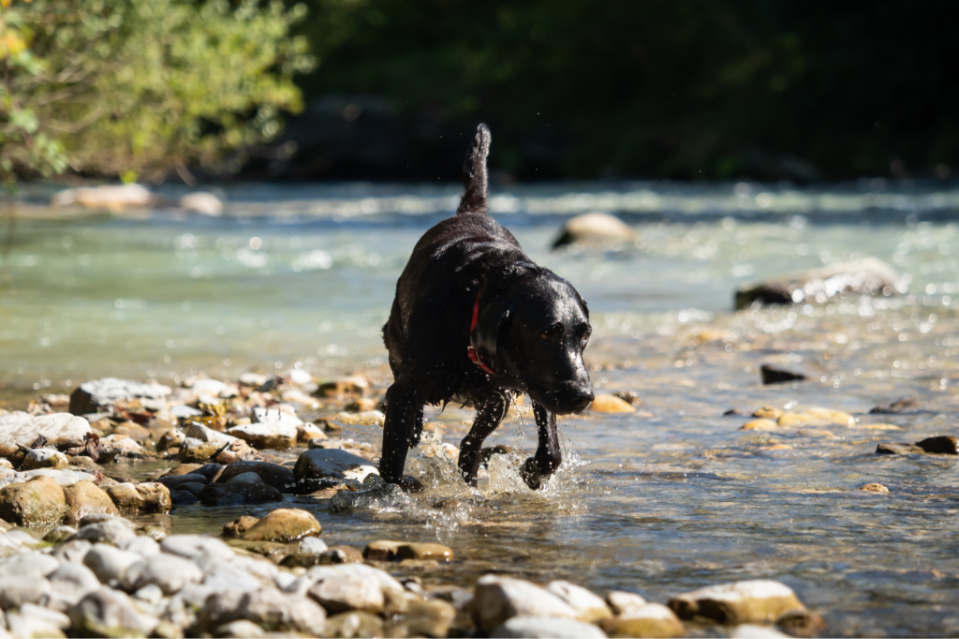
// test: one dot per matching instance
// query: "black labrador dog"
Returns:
(475, 320)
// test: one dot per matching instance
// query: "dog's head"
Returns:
(533, 327)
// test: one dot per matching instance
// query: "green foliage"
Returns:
(139, 86)
(672, 88)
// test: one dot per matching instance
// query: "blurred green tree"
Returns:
(136, 87)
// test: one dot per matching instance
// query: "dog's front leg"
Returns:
(401, 431)
(548, 456)
(488, 418)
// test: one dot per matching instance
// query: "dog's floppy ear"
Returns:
(494, 317)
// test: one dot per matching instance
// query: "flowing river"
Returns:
(666, 499)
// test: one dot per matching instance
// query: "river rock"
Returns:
(622, 602)
(266, 607)
(775, 374)
(868, 276)
(168, 572)
(271, 428)
(101, 527)
(283, 525)
(122, 446)
(202, 202)
(197, 548)
(44, 458)
(16, 590)
(352, 386)
(148, 497)
(70, 549)
(109, 613)
(173, 482)
(589, 607)
(109, 563)
(941, 445)
(606, 403)
(61, 430)
(648, 620)
(341, 593)
(594, 230)
(332, 465)
(109, 197)
(84, 498)
(756, 601)
(73, 581)
(345, 419)
(35, 621)
(38, 502)
(497, 598)
(102, 394)
(545, 628)
(280, 477)
(221, 494)
(358, 624)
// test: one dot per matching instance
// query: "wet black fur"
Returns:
(532, 329)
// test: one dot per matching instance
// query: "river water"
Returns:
(669, 498)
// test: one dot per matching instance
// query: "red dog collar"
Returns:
(470, 350)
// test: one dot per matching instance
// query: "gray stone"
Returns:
(63, 477)
(30, 563)
(44, 458)
(332, 465)
(497, 598)
(105, 529)
(141, 545)
(230, 577)
(109, 563)
(169, 572)
(200, 549)
(101, 394)
(73, 550)
(245, 478)
(175, 481)
(280, 477)
(546, 627)
(341, 593)
(868, 276)
(18, 589)
(265, 607)
(36, 621)
(109, 613)
(73, 579)
(61, 430)
(588, 606)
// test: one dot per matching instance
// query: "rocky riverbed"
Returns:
(87, 548)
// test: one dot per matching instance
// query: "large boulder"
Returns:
(62, 430)
(102, 394)
(869, 276)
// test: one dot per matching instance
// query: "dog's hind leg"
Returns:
(488, 418)
(548, 456)
(401, 431)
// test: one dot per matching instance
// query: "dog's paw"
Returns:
(531, 474)
(410, 484)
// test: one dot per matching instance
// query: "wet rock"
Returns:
(816, 417)
(589, 607)
(901, 405)
(332, 465)
(606, 403)
(220, 494)
(594, 230)
(423, 618)
(59, 534)
(173, 482)
(38, 502)
(102, 395)
(198, 431)
(283, 525)
(898, 449)
(761, 424)
(546, 627)
(801, 623)
(109, 563)
(497, 598)
(267, 607)
(85, 498)
(307, 432)
(109, 613)
(360, 449)
(940, 445)
(756, 601)
(773, 374)
(60, 430)
(239, 526)
(244, 478)
(168, 572)
(341, 555)
(122, 446)
(261, 435)
(648, 620)
(868, 276)
(279, 477)
(44, 458)
(874, 488)
(208, 471)
(148, 497)
(381, 550)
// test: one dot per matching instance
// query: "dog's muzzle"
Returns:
(570, 397)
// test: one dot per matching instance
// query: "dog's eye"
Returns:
(585, 338)
(552, 334)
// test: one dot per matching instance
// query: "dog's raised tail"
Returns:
(474, 174)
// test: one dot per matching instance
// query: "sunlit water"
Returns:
(670, 498)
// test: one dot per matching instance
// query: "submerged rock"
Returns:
(61, 430)
(756, 601)
(868, 276)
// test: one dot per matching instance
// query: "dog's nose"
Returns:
(584, 397)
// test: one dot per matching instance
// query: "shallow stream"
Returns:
(667, 499)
